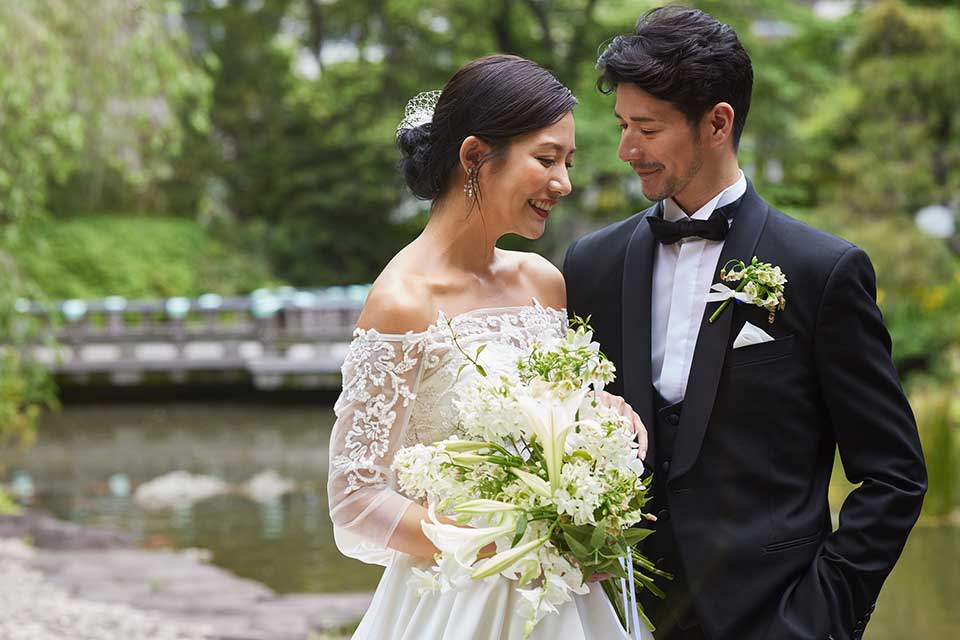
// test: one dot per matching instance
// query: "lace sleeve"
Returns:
(380, 376)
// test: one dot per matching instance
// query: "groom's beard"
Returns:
(675, 184)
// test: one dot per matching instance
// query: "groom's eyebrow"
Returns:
(636, 118)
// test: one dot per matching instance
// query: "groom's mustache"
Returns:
(640, 166)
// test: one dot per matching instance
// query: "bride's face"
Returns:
(520, 190)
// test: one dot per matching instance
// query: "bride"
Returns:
(493, 157)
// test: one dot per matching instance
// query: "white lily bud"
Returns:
(502, 560)
(537, 484)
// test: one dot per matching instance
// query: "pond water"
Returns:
(287, 543)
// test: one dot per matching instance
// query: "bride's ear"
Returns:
(473, 150)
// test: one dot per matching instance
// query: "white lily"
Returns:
(486, 506)
(467, 459)
(550, 420)
(504, 559)
(463, 543)
(537, 484)
(455, 445)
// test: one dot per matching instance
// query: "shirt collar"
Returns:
(672, 211)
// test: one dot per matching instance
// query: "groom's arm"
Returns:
(880, 449)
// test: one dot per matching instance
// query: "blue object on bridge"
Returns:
(265, 306)
(286, 293)
(114, 303)
(74, 309)
(304, 300)
(210, 301)
(358, 292)
(177, 308)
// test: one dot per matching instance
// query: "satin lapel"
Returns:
(637, 284)
(740, 244)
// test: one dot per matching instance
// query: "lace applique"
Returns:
(376, 376)
(381, 382)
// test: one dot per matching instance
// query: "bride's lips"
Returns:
(543, 213)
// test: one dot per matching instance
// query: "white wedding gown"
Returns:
(398, 391)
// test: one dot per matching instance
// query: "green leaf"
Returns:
(633, 536)
(520, 530)
(597, 538)
(578, 548)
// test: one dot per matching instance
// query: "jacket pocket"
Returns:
(754, 353)
(790, 544)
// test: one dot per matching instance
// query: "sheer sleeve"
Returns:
(381, 374)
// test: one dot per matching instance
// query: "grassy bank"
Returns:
(135, 257)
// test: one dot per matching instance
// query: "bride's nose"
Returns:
(561, 185)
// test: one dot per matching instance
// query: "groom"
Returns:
(743, 415)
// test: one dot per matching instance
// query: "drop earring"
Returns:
(471, 186)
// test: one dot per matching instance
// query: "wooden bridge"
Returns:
(285, 338)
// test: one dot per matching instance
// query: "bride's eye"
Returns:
(547, 162)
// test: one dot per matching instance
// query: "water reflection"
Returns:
(85, 455)
(89, 460)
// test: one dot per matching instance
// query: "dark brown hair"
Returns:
(686, 57)
(495, 98)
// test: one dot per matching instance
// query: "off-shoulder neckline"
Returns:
(442, 318)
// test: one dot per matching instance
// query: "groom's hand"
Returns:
(620, 405)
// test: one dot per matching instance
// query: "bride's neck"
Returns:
(461, 240)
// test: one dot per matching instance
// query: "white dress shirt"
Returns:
(682, 274)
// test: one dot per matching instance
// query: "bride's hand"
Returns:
(599, 577)
(620, 405)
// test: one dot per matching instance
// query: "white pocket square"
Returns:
(751, 334)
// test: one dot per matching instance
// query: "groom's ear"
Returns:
(473, 151)
(717, 124)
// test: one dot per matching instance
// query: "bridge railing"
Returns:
(285, 332)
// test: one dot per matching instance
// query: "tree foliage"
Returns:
(91, 94)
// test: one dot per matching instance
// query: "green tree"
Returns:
(887, 138)
(89, 90)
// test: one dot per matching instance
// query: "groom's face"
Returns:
(657, 141)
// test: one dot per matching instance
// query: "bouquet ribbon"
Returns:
(633, 620)
(723, 292)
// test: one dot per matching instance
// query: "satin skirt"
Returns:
(486, 610)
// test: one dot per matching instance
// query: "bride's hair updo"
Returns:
(494, 98)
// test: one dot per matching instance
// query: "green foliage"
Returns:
(134, 257)
(91, 107)
(24, 387)
(937, 408)
(7, 505)
(889, 128)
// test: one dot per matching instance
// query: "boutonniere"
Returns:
(761, 284)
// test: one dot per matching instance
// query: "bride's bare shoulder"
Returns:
(399, 301)
(541, 277)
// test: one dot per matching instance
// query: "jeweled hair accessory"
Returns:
(419, 110)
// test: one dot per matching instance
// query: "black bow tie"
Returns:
(713, 228)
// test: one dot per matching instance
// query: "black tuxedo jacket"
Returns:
(747, 488)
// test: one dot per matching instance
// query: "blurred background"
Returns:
(190, 183)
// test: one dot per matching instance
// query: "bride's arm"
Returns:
(381, 374)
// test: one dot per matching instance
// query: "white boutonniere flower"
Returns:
(761, 284)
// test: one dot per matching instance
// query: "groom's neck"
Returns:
(714, 176)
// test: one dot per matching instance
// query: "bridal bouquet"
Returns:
(544, 472)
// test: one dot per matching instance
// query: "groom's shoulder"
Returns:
(806, 239)
(611, 240)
